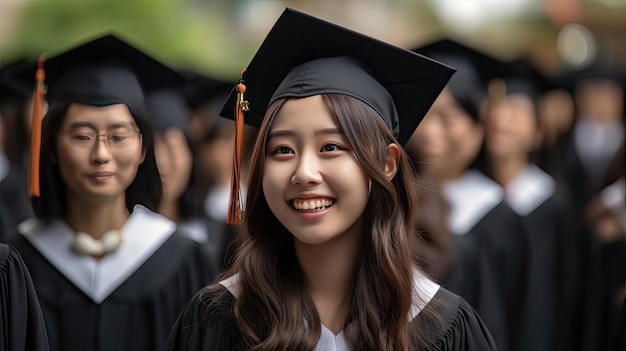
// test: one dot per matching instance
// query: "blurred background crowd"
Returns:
(569, 257)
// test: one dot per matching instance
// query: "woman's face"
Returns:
(312, 180)
(510, 127)
(99, 150)
(174, 160)
(447, 140)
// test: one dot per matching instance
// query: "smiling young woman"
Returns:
(325, 260)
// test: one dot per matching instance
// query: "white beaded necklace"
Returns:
(84, 243)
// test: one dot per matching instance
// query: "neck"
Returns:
(443, 176)
(169, 209)
(329, 271)
(96, 219)
(505, 169)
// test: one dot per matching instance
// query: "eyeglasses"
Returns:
(117, 138)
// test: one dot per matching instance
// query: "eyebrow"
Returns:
(77, 125)
(326, 131)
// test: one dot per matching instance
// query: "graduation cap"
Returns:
(399, 84)
(479, 73)
(541, 82)
(167, 108)
(597, 70)
(9, 90)
(304, 56)
(467, 86)
(100, 72)
(201, 88)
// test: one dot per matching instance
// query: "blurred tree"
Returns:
(178, 32)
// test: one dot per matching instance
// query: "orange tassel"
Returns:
(235, 210)
(35, 132)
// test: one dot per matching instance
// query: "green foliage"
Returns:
(178, 32)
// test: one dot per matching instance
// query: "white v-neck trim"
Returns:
(424, 290)
(143, 233)
(471, 197)
(529, 190)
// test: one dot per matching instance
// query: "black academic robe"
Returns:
(554, 288)
(215, 236)
(606, 315)
(14, 202)
(136, 315)
(22, 324)
(569, 170)
(617, 334)
(490, 251)
(462, 327)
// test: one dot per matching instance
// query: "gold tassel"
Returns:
(235, 210)
(35, 132)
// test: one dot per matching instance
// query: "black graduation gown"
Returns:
(22, 325)
(215, 236)
(14, 202)
(617, 336)
(462, 327)
(490, 269)
(554, 288)
(136, 315)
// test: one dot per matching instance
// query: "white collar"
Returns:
(424, 290)
(143, 233)
(471, 197)
(529, 189)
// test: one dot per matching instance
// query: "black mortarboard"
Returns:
(102, 72)
(8, 88)
(497, 76)
(597, 70)
(200, 88)
(167, 108)
(466, 85)
(540, 81)
(304, 56)
(485, 66)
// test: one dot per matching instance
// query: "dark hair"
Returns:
(274, 311)
(146, 188)
(190, 203)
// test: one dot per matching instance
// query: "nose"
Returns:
(100, 152)
(307, 171)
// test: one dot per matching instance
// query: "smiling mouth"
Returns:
(100, 176)
(312, 205)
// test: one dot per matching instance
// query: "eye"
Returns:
(81, 137)
(118, 138)
(331, 147)
(283, 150)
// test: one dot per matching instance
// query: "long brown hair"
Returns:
(273, 309)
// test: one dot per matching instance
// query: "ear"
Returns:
(391, 160)
(143, 155)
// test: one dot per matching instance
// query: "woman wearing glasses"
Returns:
(110, 273)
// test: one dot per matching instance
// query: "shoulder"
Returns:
(24, 326)
(206, 322)
(9, 258)
(460, 326)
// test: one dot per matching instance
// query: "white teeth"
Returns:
(312, 204)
